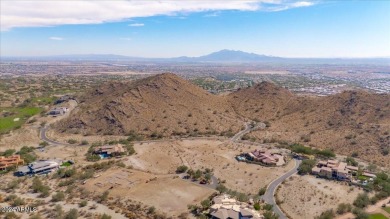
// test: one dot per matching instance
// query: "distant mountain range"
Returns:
(228, 56)
(222, 56)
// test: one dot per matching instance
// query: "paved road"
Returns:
(248, 128)
(238, 136)
(43, 137)
(271, 189)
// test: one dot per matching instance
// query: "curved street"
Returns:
(269, 196)
(43, 137)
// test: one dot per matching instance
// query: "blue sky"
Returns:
(283, 28)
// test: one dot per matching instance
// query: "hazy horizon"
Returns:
(153, 29)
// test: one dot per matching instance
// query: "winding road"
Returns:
(248, 128)
(269, 196)
(43, 137)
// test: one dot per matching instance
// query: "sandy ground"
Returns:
(66, 206)
(167, 193)
(307, 196)
(28, 135)
(165, 157)
(76, 153)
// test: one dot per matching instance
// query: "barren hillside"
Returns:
(160, 105)
(352, 122)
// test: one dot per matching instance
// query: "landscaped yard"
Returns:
(43, 100)
(377, 216)
(362, 178)
(66, 164)
(387, 209)
(13, 118)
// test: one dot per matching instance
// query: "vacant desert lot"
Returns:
(165, 157)
(167, 193)
(307, 196)
(76, 153)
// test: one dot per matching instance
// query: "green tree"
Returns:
(362, 200)
(206, 203)
(262, 191)
(343, 208)
(151, 210)
(270, 215)
(256, 206)
(105, 216)
(104, 196)
(351, 161)
(329, 214)
(267, 207)
(59, 196)
(306, 166)
(72, 214)
(197, 174)
(360, 214)
(83, 203)
(181, 169)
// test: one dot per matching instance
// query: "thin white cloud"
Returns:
(288, 5)
(125, 38)
(56, 38)
(137, 25)
(27, 13)
(214, 14)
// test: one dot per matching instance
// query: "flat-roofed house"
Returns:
(39, 167)
(315, 170)
(370, 175)
(58, 111)
(229, 208)
(333, 169)
(263, 157)
(352, 168)
(13, 160)
(326, 172)
(342, 174)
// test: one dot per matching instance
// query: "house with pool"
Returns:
(106, 151)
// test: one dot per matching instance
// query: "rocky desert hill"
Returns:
(156, 106)
(351, 123)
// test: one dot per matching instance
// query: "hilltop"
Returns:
(351, 123)
(156, 106)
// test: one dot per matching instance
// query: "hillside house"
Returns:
(264, 157)
(229, 208)
(39, 167)
(333, 169)
(109, 150)
(14, 160)
(63, 99)
(58, 111)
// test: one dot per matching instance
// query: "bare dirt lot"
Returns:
(165, 157)
(307, 196)
(167, 193)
